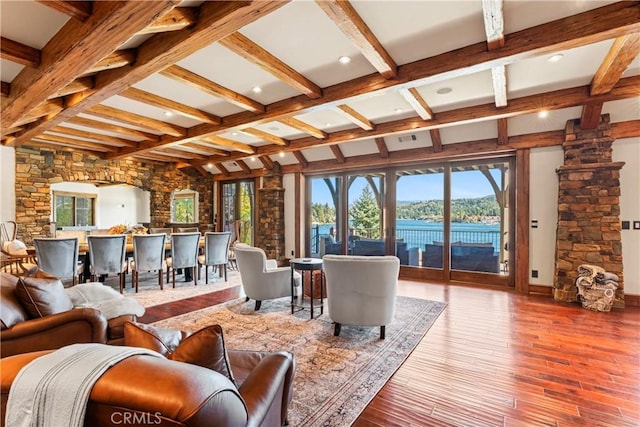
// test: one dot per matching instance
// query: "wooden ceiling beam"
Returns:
(19, 53)
(436, 140)
(266, 136)
(590, 117)
(267, 162)
(215, 21)
(169, 105)
(205, 173)
(234, 145)
(47, 108)
(176, 19)
(104, 139)
(382, 147)
(224, 171)
(136, 120)
(337, 152)
(494, 28)
(344, 16)
(208, 150)
(175, 151)
(71, 142)
(74, 49)
(242, 165)
(77, 9)
(503, 131)
(192, 79)
(5, 88)
(355, 117)
(255, 54)
(301, 158)
(574, 31)
(417, 102)
(565, 98)
(117, 59)
(78, 85)
(624, 50)
(303, 127)
(108, 127)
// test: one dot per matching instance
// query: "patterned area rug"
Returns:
(336, 377)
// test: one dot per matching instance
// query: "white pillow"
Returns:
(14, 247)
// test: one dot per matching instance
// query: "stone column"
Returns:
(270, 224)
(588, 209)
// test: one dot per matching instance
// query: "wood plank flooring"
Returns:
(495, 358)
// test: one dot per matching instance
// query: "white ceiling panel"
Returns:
(623, 110)
(318, 153)
(9, 70)
(469, 132)
(44, 22)
(359, 148)
(150, 111)
(471, 89)
(532, 123)
(406, 141)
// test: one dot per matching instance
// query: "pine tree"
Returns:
(364, 214)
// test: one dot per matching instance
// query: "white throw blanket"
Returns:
(105, 299)
(53, 390)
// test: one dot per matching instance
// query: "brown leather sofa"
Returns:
(19, 333)
(156, 391)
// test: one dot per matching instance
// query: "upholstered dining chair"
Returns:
(59, 256)
(165, 230)
(262, 279)
(107, 255)
(148, 255)
(361, 290)
(216, 252)
(187, 229)
(184, 254)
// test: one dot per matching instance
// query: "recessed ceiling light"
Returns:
(444, 90)
(234, 133)
(210, 165)
(327, 124)
(168, 113)
(253, 159)
(397, 110)
(257, 89)
(555, 58)
(543, 114)
(344, 60)
(274, 128)
(281, 154)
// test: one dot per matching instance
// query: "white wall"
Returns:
(116, 204)
(628, 151)
(543, 207)
(7, 184)
(289, 185)
(543, 199)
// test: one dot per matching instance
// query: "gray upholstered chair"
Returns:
(59, 257)
(107, 255)
(148, 255)
(187, 229)
(165, 230)
(361, 290)
(262, 279)
(184, 254)
(216, 252)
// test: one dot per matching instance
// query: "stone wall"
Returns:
(37, 169)
(270, 228)
(588, 209)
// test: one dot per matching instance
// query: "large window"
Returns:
(74, 209)
(184, 206)
(238, 201)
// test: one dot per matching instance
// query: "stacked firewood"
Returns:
(596, 287)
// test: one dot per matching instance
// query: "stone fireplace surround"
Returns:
(588, 230)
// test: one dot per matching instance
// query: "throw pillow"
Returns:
(203, 348)
(42, 296)
(14, 247)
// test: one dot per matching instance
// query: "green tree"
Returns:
(364, 214)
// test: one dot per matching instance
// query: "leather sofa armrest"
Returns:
(80, 325)
(260, 396)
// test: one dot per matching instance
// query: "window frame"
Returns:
(75, 196)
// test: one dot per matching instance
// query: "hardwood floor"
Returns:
(495, 358)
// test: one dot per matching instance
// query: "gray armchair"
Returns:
(361, 290)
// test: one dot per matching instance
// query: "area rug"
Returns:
(336, 377)
(149, 293)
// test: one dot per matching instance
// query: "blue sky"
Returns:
(467, 184)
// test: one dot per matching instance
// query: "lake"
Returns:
(417, 232)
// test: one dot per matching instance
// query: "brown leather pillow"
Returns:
(203, 348)
(42, 296)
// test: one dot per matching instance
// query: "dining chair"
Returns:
(165, 230)
(80, 234)
(59, 256)
(148, 255)
(216, 252)
(188, 229)
(184, 254)
(107, 255)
